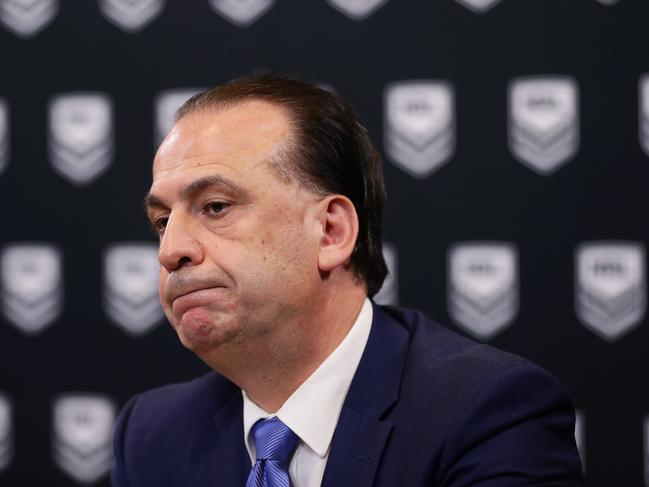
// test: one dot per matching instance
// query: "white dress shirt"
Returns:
(313, 409)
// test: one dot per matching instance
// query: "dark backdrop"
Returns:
(482, 193)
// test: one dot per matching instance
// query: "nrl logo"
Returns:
(389, 292)
(644, 113)
(4, 134)
(483, 287)
(241, 13)
(610, 288)
(166, 104)
(80, 141)
(6, 433)
(131, 286)
(419, 127)
(543, 122)
(479, 6)
(357, 9)
(26, 18)
(31, 279)
(82, 439)
(131, 15)
(580, 437)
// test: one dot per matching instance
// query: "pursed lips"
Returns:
(193, 298)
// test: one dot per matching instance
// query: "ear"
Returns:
(339, 232)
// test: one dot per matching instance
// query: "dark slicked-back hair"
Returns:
(329, 152)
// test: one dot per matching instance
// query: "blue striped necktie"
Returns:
(275, 444)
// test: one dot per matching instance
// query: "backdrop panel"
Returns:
(516, 144)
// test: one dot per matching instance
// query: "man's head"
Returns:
(328, 151)
(265, 192)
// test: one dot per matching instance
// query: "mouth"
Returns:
(203, 297)
(189, 291)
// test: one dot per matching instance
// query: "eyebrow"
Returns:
(196, 187)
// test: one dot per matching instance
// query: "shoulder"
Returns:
(474, 403)
(435, 351)
(204, 394)
(209, 389)
(156, 432)
(458, 370)
(174, 411)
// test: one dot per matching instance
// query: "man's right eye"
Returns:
(159, 225)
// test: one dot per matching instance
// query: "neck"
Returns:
(272, 369)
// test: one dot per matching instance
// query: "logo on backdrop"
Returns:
(80, 141)
(389, 292)
(543, 121)
(6, 432)
(131, 286)
(4, 134)
(419, 128)
(241, 13)
(357, 9)
(26, 18)
(479, 6)
(644, 113)
(131, 15)
(580, 437)
(32, 288)
(610, 288)
(82, 439)
(166, 104)
(483, 287)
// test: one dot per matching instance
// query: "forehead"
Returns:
(235, 139)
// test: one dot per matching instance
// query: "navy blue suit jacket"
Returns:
(426, 407)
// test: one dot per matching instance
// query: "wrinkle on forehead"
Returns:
(229, 168)
(240, 138)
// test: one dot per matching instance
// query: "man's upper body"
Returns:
(426, 407)
(267, 198)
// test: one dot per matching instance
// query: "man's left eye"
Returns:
(216, 207)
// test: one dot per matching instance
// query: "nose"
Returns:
(178, 246)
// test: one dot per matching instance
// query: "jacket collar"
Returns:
(361, 433)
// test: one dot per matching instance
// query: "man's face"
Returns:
(238, 246)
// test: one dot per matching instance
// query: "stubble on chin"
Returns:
(206, 336)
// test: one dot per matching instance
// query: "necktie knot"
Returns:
(273, 440)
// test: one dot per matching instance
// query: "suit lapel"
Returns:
(362, 433)
(220, 456)
(356, 450)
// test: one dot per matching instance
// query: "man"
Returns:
(267, 198)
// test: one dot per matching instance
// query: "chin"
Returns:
(201, 336)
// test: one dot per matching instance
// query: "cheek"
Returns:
(270, 254)
(162, 283)
(287, 256)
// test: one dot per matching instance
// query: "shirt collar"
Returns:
(312, 411)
